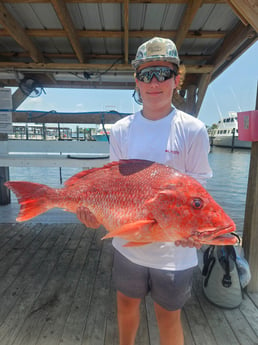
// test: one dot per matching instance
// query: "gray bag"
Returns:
(221, 284)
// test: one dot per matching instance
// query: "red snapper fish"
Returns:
(137, 200)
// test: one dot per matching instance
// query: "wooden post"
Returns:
(5, 197)
(191, 100)
(4, 176)
(250, 235)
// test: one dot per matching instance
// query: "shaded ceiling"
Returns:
(90, 43)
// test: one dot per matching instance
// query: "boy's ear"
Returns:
(136, 80)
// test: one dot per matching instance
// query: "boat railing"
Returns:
(48, 153)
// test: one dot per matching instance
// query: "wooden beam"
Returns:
(191, 99)
(66, 21)
(105, 57)
(232, 41)
(185, 23)
(120, 34)
(5, 196)
(18, 98)
(18, 34)
(126, 30)
(79, 84)
(250, 234)
(246, 10)
(59, 117)
(202, 88)
(129, 85)
(179, 101)
(232, 58)
(199, 69)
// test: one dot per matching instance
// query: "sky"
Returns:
(234, 90)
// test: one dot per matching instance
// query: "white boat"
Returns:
(226, 133)
(102, 134)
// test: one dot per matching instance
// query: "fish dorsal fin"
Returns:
(75, 178)
(126, 167)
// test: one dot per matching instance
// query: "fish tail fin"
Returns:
(32, 198)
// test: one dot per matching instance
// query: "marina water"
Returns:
(228, 185)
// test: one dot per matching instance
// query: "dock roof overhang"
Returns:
(90, 43)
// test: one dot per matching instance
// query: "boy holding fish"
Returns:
(163, 134)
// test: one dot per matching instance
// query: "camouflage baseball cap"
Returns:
(156, 49)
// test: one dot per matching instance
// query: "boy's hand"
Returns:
(188, 243)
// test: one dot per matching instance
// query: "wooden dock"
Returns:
(56, 289)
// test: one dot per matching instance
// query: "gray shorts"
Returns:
(169, 289)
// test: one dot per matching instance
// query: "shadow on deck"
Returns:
(55, 288)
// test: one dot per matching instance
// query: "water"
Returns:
(228, 185)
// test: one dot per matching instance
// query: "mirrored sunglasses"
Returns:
(161, 73)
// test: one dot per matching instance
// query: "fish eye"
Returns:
(197, 203)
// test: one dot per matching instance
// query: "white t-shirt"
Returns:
(178, 140)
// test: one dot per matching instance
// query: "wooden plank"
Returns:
(142, 336)
(249, 311)
(74, 328)
(215, 317)
(10, 296)
(112, 333)
(67, 23)
(16, 260)
(61, 286)
(37, 296)
(202, 334)
(247, 10)
(10, 248)
(254, 298)
(95, 328)
(12, 241)
(186, 21)
(18, 97)
(231, 42)
(188, 338)
(241, 328)
(61, 117)
(152, 321)
(7, 231)
(126, 30)
(52, 66)
(112, 34)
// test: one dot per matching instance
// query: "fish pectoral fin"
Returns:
(162, 199)
(131, 228)
(135, 244)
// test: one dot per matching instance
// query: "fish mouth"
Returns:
(218, 236)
